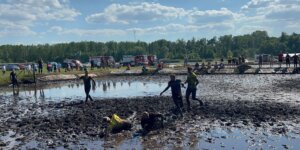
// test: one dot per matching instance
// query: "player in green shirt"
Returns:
(192, 82)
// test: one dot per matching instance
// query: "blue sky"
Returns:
(56, 21)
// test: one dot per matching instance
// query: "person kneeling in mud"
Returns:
(176, 92)
(116, 124)
(152, 121)
(87, 85)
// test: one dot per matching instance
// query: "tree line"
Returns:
(216, 47)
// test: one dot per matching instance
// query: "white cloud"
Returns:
(164, 29)
(56, 29)
(284, 12)
(275, 16)
(256, 4)
(181, 28)
(37, 9)
(125, 14)
(212, 16)
(86, 32)
(21, 15)
(155, 12)
(10, 29)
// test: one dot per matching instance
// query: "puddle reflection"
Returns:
(103, 89)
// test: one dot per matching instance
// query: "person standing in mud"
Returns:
(192, 82)
(13, 79)
(87, 85)
(176, 92)
(243, 59)
(40, 62)
(92, 64)
(197, 67)
(296, 59)
(3, 69)
(287, 60)
(240, 60)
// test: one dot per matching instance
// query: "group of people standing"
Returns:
(288, 59)
(235, 61)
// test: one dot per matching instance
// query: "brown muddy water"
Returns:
(239, 112)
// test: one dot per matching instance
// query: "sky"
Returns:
(59, 21)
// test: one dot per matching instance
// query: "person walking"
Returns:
(3, 69)
(40, 63)
(13, 79)
(29, 68)
(192, 82)
(243, 59)
(287, 60)
(296, 59)
(87, 85)
(176, 92)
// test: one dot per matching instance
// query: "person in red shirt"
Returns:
(280, 58)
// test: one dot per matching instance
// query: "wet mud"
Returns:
(258, 113)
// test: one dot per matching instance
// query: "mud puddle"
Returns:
(105, 88)
(240, 112)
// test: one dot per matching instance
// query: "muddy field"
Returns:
(239, 112)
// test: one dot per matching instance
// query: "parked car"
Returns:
(11, 67)
(86, 65)
(103, 61)
(141, 60)
(73, 63)
(128, 59)
(22, 66)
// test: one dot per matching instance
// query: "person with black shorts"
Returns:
(287, 60)
(176, 92)
(295, 59)
(40, 63)
(87, 85)
(192, 82)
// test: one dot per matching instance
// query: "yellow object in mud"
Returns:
(115, 121)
